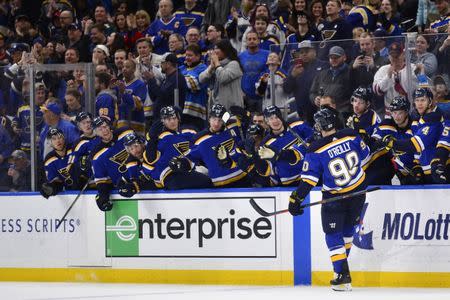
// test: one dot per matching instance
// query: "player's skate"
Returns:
(342, 282)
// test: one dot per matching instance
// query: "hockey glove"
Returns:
(51, 189)
(85, 163)
(128, 189)
(223, 156)
(388, 142)
(295, 203)
(417, 174)
(266, 153)
(103, 202)
(179, 164)
(438, 173)
(350, 123)
(156, 129)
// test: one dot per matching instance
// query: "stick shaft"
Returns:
(71, 205)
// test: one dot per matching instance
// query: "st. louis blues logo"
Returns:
(360, 239)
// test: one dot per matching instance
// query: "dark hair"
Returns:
(99, 27)
(118, 43)
(262, 18)
(115, 22)
(195, 49)
(253, 15)
(310, 9)
(103, 78)
(74, 92)
(219, 27)
(145, 40)
(230, 52)
(77, 52)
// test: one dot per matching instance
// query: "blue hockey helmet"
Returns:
(325, 119)
(217, 110)
(399, 103)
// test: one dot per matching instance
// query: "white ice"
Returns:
(88, 291)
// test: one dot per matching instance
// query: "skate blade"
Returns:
(345, 287)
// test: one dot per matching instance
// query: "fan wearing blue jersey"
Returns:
(106, 100)
(281, 154)
(165, 155)
(426, 130)
(440, 165)
(56, 164)
(338, 159)
(109, 160)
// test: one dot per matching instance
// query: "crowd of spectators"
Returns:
(196, 53)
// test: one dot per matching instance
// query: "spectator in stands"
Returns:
(6, 148)
(76, 39)
(52, 119)
(120, 22)
(392, 80)
(162, 28)
(224, 74)
(422, 56)
(73, 105)
(253, 61)
(442, 52)
(71, 56)
(300, 79)
(389, 11)
(164, 94)
(114, 42)
(119, 57)
(100, 55)
(334, 81)
(317, 12)
(21, 27)
(441, 91)
(266, 40)
(191, 13)
(141, 23)
(101, 17)
(214, 34)
(380, 39)
(106, 100)
(19, 171)
(176, 46)
(238, 22)
(441, 24)
(217, 12)
(146, 57)
(97, 36)
(66, 19)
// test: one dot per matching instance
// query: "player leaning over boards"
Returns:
(338, 157)
(426, 130)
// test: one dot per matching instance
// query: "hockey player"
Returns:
(281, 155)
(56, 164)
(106, 101)
(338, 158)
(81, 154)
(440, 165)
(399, 126)
(109, 160)
(135, 179)
(427, 131)
(166, 154)
(215, 148)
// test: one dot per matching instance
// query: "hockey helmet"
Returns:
(217, 110)
(399, 103)
(272, 110)
(364, 93)
(326, 119)
(82, 116)
(133, 138)
(99, 121)
(423, 92)
(54, 132)
(168, 112)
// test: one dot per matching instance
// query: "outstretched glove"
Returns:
(103, 202)
(85, 163)
(156, 129)
(295, 203)
(266, 153)
(438, 173)
(223, 156)
(179, 164)
(388, 142)
(51, 189)
(128, 189)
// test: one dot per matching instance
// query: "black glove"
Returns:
(417, 174)
(295, 203)
(255, 129)
(85, 163)
(156, 129)
(51, 189)
(388, 142)
(249, 146)
(128, 189)
(240, 112)
(103, 202)
(179, 164)
(438, 173)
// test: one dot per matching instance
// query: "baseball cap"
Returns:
(395, 48)
(441, 79)
(380, 32)
(170, 57)
(22, 17)
(18, 47)
(103, 48)
(18, 154)
(336, 50)
(306, 44)
(53, 107)
(74, 26)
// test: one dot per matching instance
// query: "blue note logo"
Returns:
(361, 239)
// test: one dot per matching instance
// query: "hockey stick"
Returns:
(264, 213)
(295, 134)
(71, 205)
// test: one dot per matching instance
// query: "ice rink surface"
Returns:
(72, 291)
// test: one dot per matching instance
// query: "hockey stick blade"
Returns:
(264, 213)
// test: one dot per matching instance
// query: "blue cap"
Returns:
(53, 107)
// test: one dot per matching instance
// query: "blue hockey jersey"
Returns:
(106, 105)
(131, 109)
(22, 121)
(197, 93)
(339, 160)
(57, 168)
(174, 25)
(193, 17)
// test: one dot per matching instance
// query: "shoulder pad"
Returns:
(49, 158)
(122, 132)
(202, 136)
(98, 151)
(434, 116)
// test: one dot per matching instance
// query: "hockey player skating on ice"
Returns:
(56, 164)
(338, 158)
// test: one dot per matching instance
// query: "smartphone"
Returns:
(298, 62)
